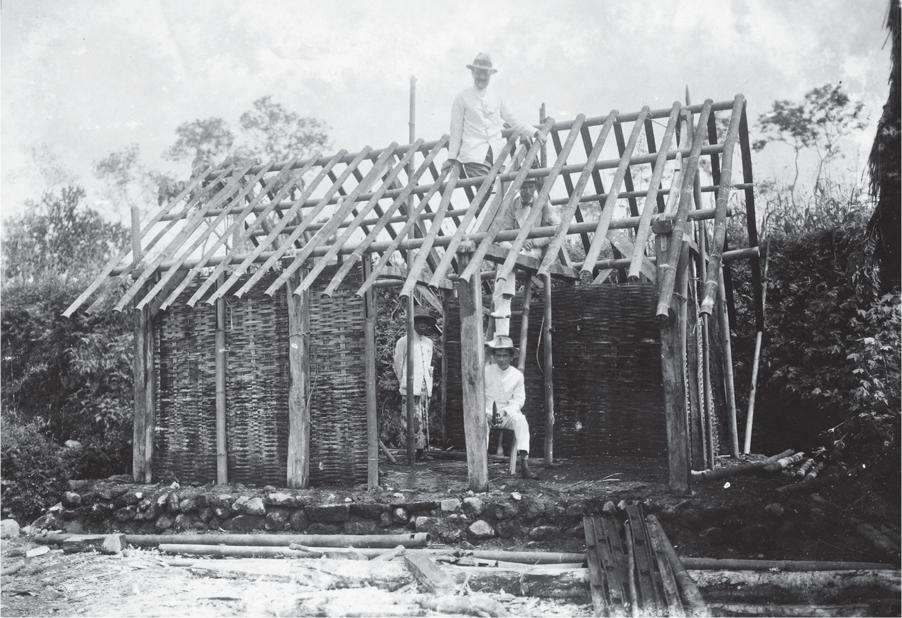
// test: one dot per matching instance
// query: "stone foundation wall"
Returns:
(104, 507)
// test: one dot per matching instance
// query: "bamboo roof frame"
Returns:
(232, 225)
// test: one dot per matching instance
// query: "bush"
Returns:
(34, 469)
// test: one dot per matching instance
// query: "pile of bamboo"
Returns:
(792, 464)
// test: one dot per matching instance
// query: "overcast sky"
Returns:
(82, 78)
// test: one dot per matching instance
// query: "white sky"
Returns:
(87, 77)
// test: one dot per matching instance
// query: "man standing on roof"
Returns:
(477, 118)
(505, 395)
(513, 219)
(423, 323)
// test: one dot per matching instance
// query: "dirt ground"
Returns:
(725, 518)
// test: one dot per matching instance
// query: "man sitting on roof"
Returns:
(477, 117)
(513, 219)
(505, 395)
(423, 323)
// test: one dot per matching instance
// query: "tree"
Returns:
(58, 239)
(130, 184)
(274, 132)
(202, 141)
(818, 123)
(884, 168)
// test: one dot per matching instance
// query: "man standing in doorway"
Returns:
(477, 118)
(423, 324)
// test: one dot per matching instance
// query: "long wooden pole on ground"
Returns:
(222, 463)
(472, 367)
(549, 375)
(298, 469)
(369, 362)
(411, 258)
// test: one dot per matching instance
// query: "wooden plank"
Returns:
(668, 582)
(600, 601)
(692, 598)
(472, 363)
(650, 601)
(298, 468)
(614, 559)
(425, 570)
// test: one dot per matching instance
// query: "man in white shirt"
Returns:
(423, 323)
(505, 395)
(513, 219)
(477, 118)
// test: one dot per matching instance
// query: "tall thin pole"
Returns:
(411, 258)
(750, 417)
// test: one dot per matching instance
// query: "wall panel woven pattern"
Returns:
(608, 394)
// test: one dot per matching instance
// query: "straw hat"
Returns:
(482, 61)
(500, 342)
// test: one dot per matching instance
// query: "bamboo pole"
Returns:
(358, 251)
(548, 376)
(607, 211)
(745, 150)
(411, 332)
(298, 465)
(720, 219)
(369, 362)
(743, 468)
(693, 601)
(756, 359)
(535, 212)
(524, 325)
(201, 239)
(729, 383)
(222, 464)
(472, 361)
(743, 564)
(111, 264)
(638, 126)
(653, 194)
(668, 279)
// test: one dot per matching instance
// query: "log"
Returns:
(387, 453)
(746, 468)
(298, 467)
(87, 542)
(784, 462)
(472, 360)
(389, 541)
(428, 573)
(232, 551)
(741, 564)
(825, 587)
(745, 609)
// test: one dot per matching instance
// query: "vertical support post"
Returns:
(524, 325)
(443, 389)
(549, 376)
(298, 469)
(759, 336)
(472, 374)
(222, 455)
(707, 393)
(369, 361)
(727, 360)
(411, 258)
(673, 356)
(143, 404)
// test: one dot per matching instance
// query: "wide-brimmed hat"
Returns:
(422, 314)
(482, 61)
(500, 342)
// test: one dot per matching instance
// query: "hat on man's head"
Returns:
(421, 313)
(500, 342)
(482, 61)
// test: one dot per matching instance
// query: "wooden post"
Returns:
(144, 382)
(549, 376)
(411, 258)
(759, 336)
(222, 453)
(443, 389)
(298, 469)
(369, 361)
(672, 363)
(524, 324)
(727, 360)
(472, 373)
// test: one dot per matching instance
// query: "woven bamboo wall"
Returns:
(257, 385)
(607, 372)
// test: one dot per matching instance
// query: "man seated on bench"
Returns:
(505, 395)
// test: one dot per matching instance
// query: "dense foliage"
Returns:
(830, 370)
